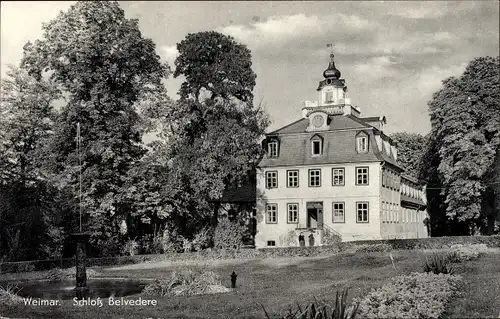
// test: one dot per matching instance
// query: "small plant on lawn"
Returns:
(438, 264)
(322, 310)
(228, 235)
(189, 282)
(8, 295)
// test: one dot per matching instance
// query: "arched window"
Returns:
(316, 145)
(362, 142)
(272, 148)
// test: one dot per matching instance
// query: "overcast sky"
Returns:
(393, 55)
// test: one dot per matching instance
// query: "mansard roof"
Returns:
(339, 144)
(336, 122)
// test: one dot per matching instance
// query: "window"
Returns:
(316, 147)
(293, 213)
(383, 212)
(362, 142)
(338, 176)
(271, 243)
(314, 178)
(362, 212)
(361, 175)
(272, 213)
(292, 178)
(384, 178)
(338, 213)
(272, 179)
(329, 97)
(272, 149)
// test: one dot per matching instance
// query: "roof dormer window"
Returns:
(362, 143)
(316, 145)
(272, 148)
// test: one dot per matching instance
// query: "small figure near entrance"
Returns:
(311, 240)
(302, 241)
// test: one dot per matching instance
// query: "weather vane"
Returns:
(330, 45)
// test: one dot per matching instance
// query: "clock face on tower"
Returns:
(317, 121)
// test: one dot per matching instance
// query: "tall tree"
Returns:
(215, 63)
(214, 129)
(465, 117)
(105, 66)
(411, 147)
(26, 125)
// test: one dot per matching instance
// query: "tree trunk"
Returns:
(215, 216)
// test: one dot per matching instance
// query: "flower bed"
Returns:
(418, 295)
(189, 282)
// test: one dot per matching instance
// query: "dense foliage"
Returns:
(463, 150)
(210, 140)
(216, 64)
(104, 65)
(411, 147)
(28, 202)
(101, 72)
(229, 235)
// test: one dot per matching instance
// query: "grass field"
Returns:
(280, 283)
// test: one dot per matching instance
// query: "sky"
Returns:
(393, 55)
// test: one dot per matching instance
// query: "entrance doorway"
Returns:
(314, 215)
(312, 218)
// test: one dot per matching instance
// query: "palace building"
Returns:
(333, 176)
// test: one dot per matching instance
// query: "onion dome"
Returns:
(332, 71)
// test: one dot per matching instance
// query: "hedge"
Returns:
(396, 244)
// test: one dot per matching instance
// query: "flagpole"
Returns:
(78, 142)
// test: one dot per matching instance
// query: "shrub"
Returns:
(150, 244)
(131, 248)
(203, 239)
(461, 252)
(322, 310)
(187, 245)
(108, 247)
(373, 248)
(8, 295)
(172, 242)
(438, 264)
(330, 238)
(186, 283)
(58, 274)
(229, 235)
(290, 238)
(418, 295)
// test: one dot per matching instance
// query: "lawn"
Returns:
(279, 283)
